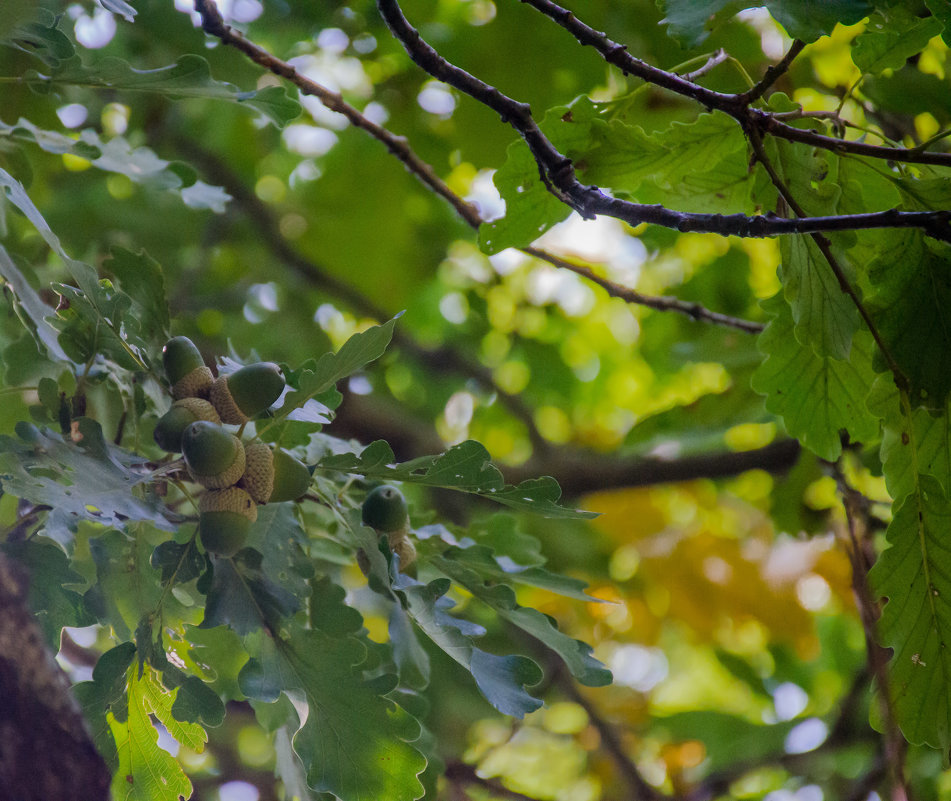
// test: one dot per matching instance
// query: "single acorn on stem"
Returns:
(214, 457)
(224, 519)
(273, 476)
(171, 425)
(385, 510)
(186, 371)
(246, 392)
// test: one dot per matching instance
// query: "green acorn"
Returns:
(185, 369)
(214, 457)
(385, 510)
(246, 392)
(225, 517)
(168, 430)
(273, 476)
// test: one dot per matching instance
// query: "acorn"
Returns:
(214, 457)
(225, 517)
(185, 369)
(168, 430)
(246, 392)
(273, 476)
(385, 510)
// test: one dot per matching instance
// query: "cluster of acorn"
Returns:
(237, 477)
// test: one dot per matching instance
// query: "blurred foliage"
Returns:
(156, 181)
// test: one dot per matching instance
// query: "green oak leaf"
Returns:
(80, 478)
(817, 396)
(242, 596)
(501, 598)
(700, 166)
(466, 467)
(317, 377)
(37, 312)
(910, 306)
(280, 538)
(116, 155)
(891, 37)
(530, 209)
(913, 573)
(501, 679)
(355, 743)
(147, 772)
(909, 448)
(690, 21)
(188, 77)
(104, 698)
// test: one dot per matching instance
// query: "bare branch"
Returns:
(640, 789)
(558, 172)
(214, 25)
(773, 74)
(737, 106)
(862, 555)
(660, 303)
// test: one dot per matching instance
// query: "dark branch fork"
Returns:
(557, 170)
(214, 25)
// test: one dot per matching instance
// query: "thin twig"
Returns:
(737, 106)
(861, 556)
(773, 74)
(842, 735)
(711, 63)
(639, 787)
(214, 25)
(660, 303)
(461, 773)
(558, 173)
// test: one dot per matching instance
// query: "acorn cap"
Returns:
(401, 544)
(195, 384)
(385, 509)
(247, 392)
(214, 457)
(225, 517)
(169, 428)
(273, 476)
(258, 478)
